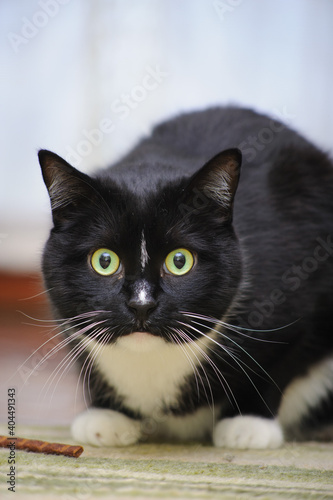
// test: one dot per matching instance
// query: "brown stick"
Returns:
(40, 446)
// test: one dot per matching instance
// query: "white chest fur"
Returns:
(147, 371)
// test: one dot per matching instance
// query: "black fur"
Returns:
(264, 260)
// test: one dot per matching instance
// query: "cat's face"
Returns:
(128, 261)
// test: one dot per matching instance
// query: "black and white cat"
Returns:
(197, 314)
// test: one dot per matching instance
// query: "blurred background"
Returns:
(89, 78)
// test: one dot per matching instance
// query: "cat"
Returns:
(193, 283)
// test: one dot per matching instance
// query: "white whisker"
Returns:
(194, 368)
(60, 333)
(103, 336)
(37, 319)
(54, 349)
(235, 358)
(223, 382)
(36, 295)
(236, 329)
(73, 354)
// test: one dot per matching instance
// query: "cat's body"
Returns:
(169, 367)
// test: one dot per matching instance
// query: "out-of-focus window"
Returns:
(88, 78)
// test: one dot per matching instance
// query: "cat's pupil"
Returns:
(105, 260)
(179, 260)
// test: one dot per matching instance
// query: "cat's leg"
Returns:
(306, 409)
(101, 427)
(248, 432)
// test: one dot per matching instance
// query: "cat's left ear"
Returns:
(214, 185)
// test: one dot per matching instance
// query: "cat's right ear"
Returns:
(68, 188)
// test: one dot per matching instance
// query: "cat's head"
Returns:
(142, 260)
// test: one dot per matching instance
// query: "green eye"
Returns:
(105, 262)
(179, 262)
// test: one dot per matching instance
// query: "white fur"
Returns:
(146, 370)
(248, 433)
(100, 427)
(218, 187)
(142, 291)
(196, 426)
(144, 254)
(305, 393)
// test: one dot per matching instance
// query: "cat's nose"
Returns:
(141, 308)
(141, 300)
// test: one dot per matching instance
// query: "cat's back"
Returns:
(276, 161)
(178, 147)
(188, 140)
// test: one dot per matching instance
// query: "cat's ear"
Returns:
(214, 185)
(68, 188)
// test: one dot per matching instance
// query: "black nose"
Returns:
(141, 308)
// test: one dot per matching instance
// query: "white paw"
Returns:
(248, 432)
(101, 427)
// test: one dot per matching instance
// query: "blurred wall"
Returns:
(88, 78)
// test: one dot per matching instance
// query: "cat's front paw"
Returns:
(101, 427)
(248, 433)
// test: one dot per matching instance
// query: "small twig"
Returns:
(41, 446)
